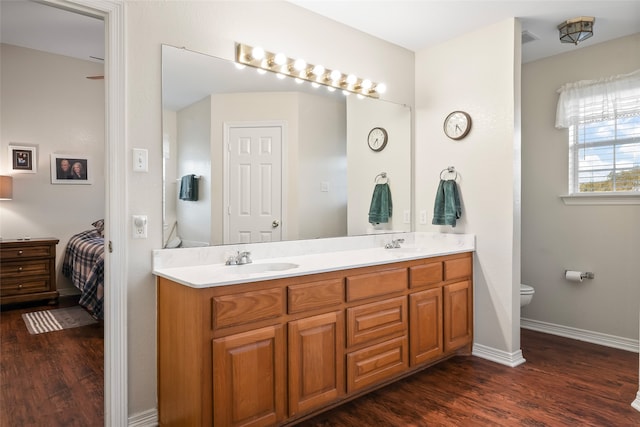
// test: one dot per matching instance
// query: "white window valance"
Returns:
(598, 100)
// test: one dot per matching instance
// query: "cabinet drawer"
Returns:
(377, 363)
(457, 268)
(426, 274)
(24, 286)
(24, 268)
(313, 295)
(376, 320)
(376, 284)
(41, 251)
(247, 307)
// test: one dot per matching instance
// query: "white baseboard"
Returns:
(499, 356)
(636, 403)
(581, 335)
(147, 418)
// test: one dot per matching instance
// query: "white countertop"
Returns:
(421, 245)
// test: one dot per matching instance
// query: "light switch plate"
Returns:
(140, 160)
(407, 217)
(423, 217)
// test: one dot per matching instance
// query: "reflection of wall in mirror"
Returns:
(365, 164)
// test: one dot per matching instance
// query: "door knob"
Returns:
(275, 223)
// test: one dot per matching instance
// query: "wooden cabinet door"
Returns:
(458, 315)
(316, 361)
(425, 326)
(249, 378)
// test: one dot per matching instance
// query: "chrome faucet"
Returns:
(394, 244)
(240, 258)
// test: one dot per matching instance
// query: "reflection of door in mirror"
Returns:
(254, 192)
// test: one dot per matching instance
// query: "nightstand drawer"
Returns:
(24, 268)
(39, 251)
(24, 286)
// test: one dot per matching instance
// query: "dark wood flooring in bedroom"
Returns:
(51, 379)
(56, 379)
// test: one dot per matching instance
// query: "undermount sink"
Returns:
(405, 250)
(260, 267)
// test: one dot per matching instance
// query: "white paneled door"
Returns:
(255, 184)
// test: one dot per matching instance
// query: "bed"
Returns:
(84, 265)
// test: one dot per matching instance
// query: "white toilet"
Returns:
(526, 294)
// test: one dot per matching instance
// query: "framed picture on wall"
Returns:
(71, 169)
(22, 159)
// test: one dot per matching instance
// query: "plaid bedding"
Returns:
(84, 265)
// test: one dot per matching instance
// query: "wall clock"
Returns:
(377, 139)
(457, 125)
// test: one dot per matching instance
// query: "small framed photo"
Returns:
(23, 159)
(71, 169)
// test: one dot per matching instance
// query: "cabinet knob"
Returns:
(19, 252)
(19, 268)
(20, 286)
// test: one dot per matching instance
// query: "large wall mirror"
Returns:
(250, 157)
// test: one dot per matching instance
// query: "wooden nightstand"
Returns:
(28, 270)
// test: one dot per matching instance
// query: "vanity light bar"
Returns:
(299, 69)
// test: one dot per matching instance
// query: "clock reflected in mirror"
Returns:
(457, 125)
(377, 139)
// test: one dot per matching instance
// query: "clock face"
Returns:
(457, 125)
(377, 139)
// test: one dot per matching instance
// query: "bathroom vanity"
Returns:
(282, 342)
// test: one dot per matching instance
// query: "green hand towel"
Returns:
(446, 209)
(381, 207)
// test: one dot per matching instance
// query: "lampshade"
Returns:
(576, 30)
(6, 187)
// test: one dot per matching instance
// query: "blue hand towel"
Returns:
(446, 209)
(189, 188)
(381, 207)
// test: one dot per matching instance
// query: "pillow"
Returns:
(99, 225)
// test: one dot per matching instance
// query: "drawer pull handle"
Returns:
(19, 252)
(19, 268)
(20, 286)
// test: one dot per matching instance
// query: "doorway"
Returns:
(253, 190)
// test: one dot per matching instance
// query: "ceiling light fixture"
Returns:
(577, 29)
(297, 68)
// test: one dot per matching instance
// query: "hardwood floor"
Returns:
(56, 379)
(51, 379)
(564, 383)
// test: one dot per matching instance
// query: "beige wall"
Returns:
(212, 28)
(47, 102)
(602, 239)
(477, 73)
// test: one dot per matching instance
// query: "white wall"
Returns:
(602, 239)
(194, 157)
(213, 27)
(478, 73)
(365, 164)
(48, 102)
(322, 158)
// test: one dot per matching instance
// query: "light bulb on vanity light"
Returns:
(381, 88)
(299, 64)
(280, 59)
(257, 53)
(335, 76)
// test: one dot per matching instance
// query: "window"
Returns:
(603, 118)
(605, 156)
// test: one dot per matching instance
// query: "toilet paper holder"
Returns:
(583, 274)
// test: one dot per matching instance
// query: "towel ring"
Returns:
(381, 175)
(448, 170)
